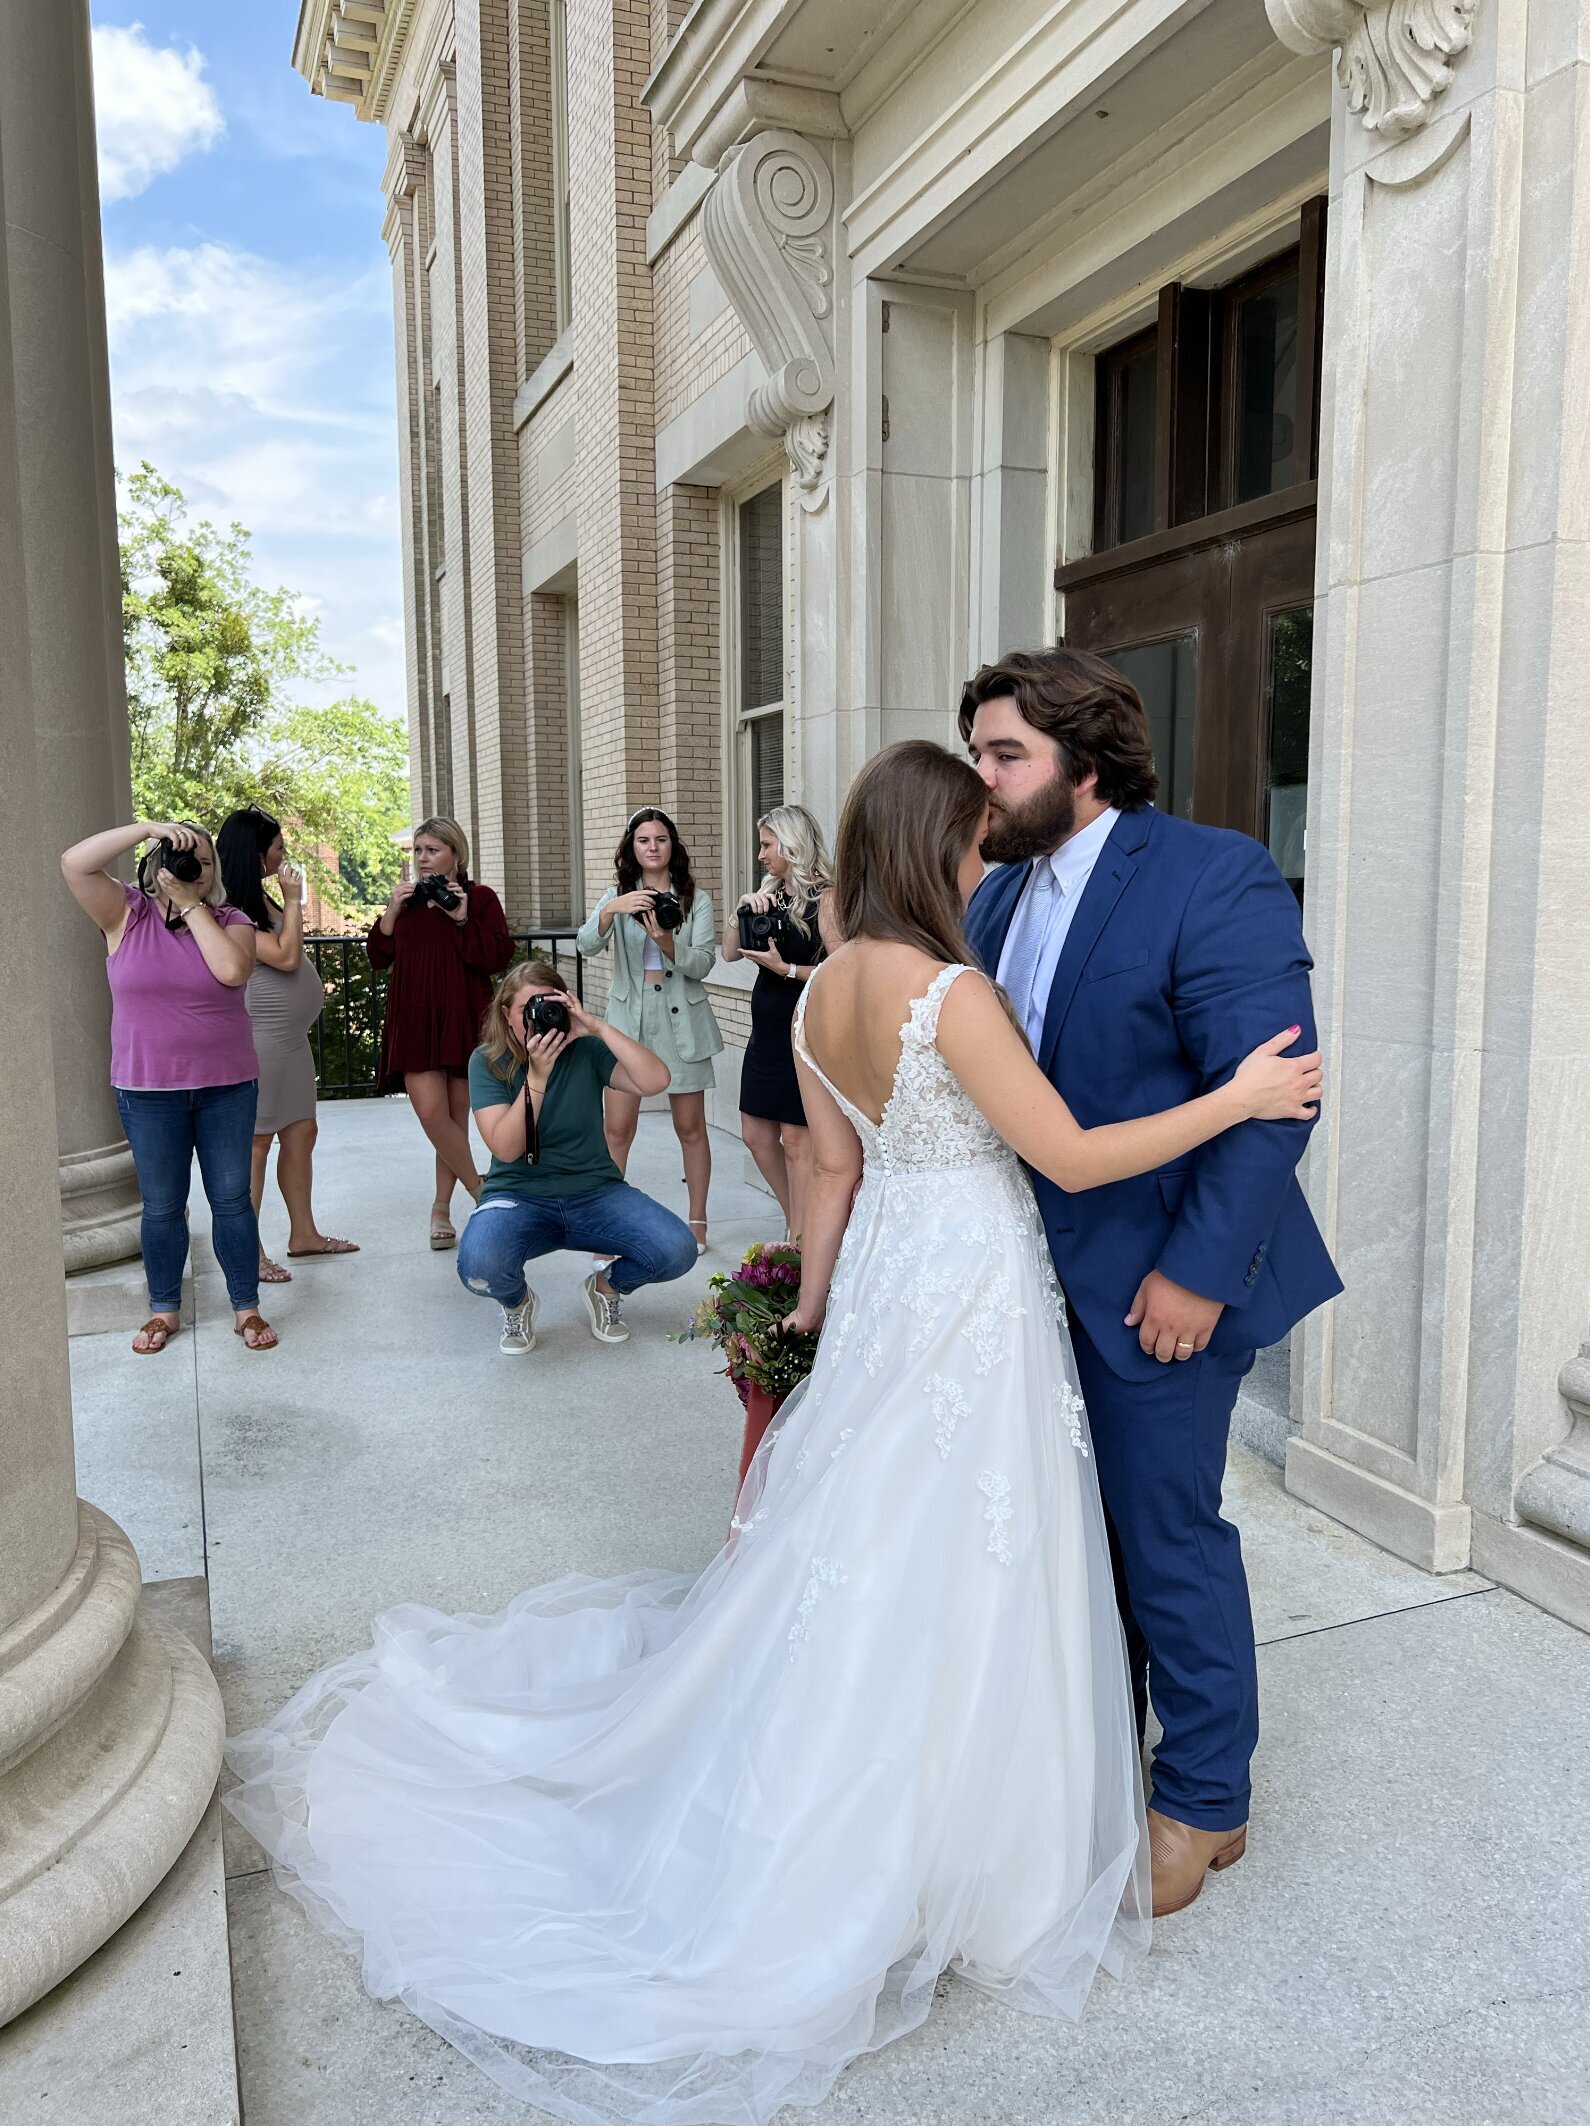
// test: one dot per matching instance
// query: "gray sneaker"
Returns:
(519, 1326)
(608, 1325)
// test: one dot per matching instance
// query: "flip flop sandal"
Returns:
(326, 1247)
(256, 1322)
(272, 1272)
(154, 1326)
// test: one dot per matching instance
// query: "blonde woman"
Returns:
(659, 925)
(445, 940)
(536, 1091)
(796, 890)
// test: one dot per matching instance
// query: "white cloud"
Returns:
(152, 108)
(266, 393)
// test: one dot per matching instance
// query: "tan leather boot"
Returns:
(1182, 1855)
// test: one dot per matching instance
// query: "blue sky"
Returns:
(249, 297)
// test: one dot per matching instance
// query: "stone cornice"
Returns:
(767, 225)
(1396, 55)
(350, 51)
(712, 64)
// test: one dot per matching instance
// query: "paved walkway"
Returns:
(1405, 1942)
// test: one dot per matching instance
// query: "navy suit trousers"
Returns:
(1160, 1449)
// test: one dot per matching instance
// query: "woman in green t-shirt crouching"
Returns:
(537, 1101)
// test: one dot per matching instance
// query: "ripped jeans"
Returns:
(651, 1245)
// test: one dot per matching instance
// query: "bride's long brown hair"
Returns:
(910, 818)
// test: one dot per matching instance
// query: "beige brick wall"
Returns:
(471, 229)
(610, 186)
(546, 434)
(690, 708)
(687, 367)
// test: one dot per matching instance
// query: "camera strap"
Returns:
(532, 1125)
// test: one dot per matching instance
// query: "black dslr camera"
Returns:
(431, 886)
(545, 1014)
(183, 864)
(760, 929)
(668, 911)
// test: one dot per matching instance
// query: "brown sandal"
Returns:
(327, 1246)
(257, 1323)
(154, 1326)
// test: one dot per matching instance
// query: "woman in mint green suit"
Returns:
(657, 996)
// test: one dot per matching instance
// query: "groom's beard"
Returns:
(1016, 834)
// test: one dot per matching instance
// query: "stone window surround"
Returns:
(768, 468)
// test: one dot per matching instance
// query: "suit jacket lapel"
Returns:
(1099, 896)
(1003, 893)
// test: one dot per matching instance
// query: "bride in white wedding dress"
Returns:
(667, 1849)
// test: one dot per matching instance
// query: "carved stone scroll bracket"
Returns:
(1555, 1494)
(1396, 55)
(767, 227)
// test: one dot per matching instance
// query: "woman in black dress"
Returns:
(795, 885)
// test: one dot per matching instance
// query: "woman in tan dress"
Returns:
(285, 998)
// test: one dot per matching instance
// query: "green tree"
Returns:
(216, 670)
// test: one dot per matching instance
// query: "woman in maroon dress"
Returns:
(446, 941)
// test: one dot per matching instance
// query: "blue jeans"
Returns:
(165, 1129)
(652, 1246)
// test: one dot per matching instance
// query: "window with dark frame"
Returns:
(759, 694)
(1218, 404)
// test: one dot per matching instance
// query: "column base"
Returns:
(111, 1729)
(116, 1297)
(1437, 1538)
(100, 1207)
(1544, 1569)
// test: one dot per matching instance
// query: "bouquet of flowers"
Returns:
(741, 1319)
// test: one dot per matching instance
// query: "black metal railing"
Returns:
(346, 1038)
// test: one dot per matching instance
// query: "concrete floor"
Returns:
(1404, 1943)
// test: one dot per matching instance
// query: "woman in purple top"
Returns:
(181, 1056)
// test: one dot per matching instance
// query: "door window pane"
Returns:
(1266, 329)
(762, 598)
(1288, 680)
(1165, 675)
(1136, 417)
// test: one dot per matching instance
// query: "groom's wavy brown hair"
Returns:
(912, 814)
(1091, 711)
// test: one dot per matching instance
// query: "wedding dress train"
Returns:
(663, 1851)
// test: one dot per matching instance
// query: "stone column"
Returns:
(1449, 881)
(71, 585)
(110, 1729)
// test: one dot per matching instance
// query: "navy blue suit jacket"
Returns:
(1186, 951)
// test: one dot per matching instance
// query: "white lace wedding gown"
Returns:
(662, 1851)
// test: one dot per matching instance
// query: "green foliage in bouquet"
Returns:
(740, 1319)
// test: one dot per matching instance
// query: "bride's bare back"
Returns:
(855, 1014)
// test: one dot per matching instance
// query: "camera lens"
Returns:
(183, 864)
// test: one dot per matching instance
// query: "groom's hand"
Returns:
(1171, 1322)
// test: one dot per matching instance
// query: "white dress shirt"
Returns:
(1048, 906)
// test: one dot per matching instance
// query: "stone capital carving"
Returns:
(767, 227)
(1396, 55)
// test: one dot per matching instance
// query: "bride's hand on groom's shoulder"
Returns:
(1277, 1088)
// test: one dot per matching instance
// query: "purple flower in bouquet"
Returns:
(743, 1316)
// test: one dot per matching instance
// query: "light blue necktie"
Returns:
(1033, 917)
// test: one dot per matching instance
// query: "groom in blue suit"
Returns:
(1146, 956)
